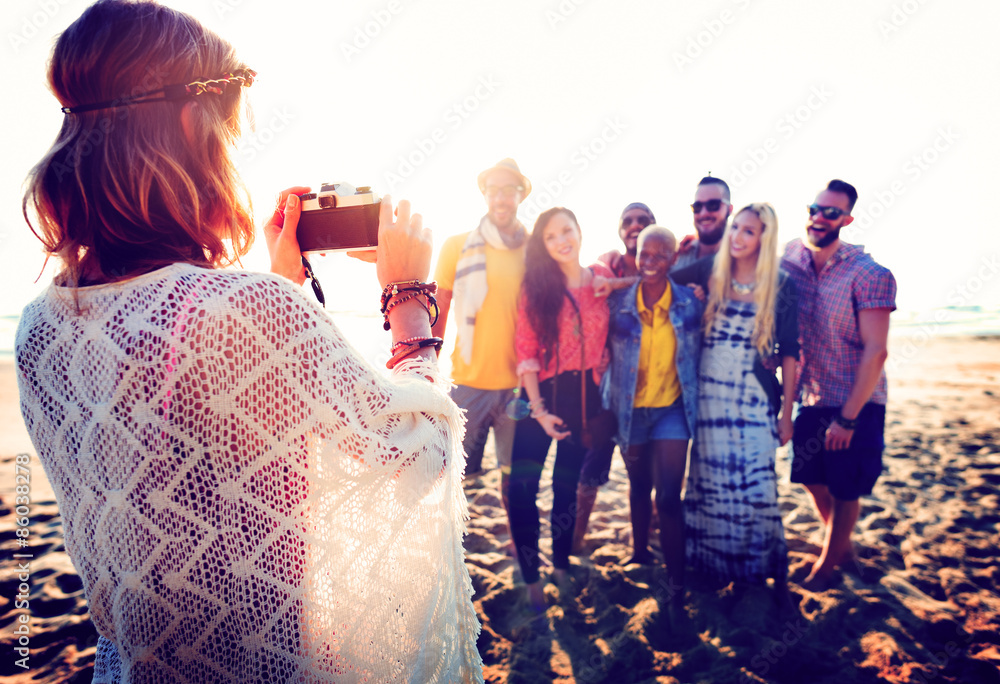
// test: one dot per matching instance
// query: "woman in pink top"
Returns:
(562, 326)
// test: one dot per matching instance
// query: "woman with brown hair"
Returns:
(244, 497)
(562, 326)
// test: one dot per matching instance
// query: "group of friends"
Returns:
(666, 348)
(247, 499)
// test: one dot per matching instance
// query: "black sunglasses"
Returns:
(829, 213)
(641, 220)
(711, 205)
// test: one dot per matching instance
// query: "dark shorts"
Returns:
(850, 473)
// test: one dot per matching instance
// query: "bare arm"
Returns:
(549, 421)
(444, 305)
(603, 286)
(788, 382)
(873, 325)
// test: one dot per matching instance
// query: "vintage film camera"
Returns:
(339, 217)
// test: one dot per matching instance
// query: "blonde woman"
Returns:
(734, 529)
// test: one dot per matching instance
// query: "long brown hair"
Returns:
(123, 190)
(544, 284)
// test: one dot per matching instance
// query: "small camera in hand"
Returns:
(339, 217)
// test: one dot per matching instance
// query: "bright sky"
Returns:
(601, 103)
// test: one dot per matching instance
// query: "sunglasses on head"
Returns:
(829, 213)
(710, 205)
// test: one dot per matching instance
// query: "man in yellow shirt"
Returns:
(479, 274)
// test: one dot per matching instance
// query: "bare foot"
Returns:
(818, 580)
(536, 597)
(644, 557)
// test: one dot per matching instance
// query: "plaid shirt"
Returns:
(829, 303)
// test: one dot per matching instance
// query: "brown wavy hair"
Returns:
(123, 190)
(544, 284)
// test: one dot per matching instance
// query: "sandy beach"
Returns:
(919, 604)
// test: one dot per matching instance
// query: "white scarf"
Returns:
(470, 276)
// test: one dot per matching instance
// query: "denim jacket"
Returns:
(624, 337)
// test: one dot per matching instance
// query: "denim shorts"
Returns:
(661, 422)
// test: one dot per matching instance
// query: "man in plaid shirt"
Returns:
(845, 299)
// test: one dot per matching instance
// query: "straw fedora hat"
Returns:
(509, 165)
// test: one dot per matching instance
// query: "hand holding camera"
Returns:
(279, 232)
(404, 245)
(339, 218)
(342, 218)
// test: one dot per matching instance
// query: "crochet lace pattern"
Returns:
(244, 497)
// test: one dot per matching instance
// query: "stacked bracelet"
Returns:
(537, 407)
(403, 343)
(405, 348)
(396, 293)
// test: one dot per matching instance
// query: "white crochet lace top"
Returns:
(244, 497)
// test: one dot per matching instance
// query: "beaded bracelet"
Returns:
(403, 343)
(393, 289)
(406, 350)
(413, 293)
(392, 304)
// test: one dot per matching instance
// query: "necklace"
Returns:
(740, 288)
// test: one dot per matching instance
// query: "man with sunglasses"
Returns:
(634, 218)
(845, 299)
(711, 207)
(480, 273)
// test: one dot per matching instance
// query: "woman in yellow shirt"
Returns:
(653, 335)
